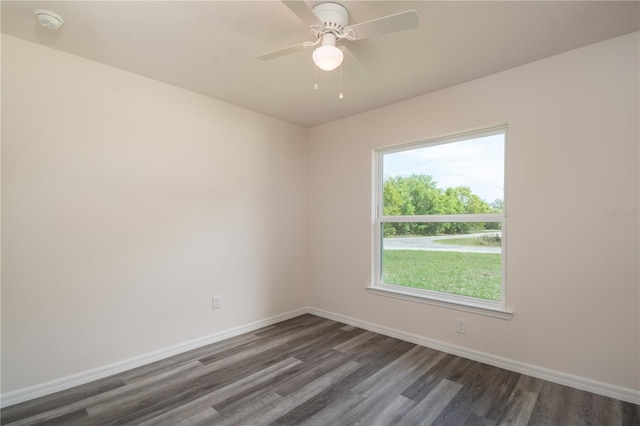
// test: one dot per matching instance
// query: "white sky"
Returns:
(476, 163)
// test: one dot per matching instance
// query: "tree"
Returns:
(419, 195)
(497, 206)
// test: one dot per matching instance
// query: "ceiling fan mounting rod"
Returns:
(333, 16)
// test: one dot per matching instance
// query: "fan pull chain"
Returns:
(341, 96)
(315, 77)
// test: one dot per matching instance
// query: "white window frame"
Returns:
(497, 309)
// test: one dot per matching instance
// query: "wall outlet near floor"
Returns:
(461, 325)
(216, 302)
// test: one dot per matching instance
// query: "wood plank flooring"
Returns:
(313, 371)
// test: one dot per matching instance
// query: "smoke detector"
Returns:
(48, 19)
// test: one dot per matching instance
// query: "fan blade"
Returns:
(302, 11)
(282, 52)
(351, 64)
(387, 24)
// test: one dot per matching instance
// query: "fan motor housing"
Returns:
(333, 15)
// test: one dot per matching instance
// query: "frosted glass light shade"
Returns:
(327, 58)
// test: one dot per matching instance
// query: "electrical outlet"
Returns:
(461, 325)
(216, 302)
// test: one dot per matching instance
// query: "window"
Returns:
(440, 223)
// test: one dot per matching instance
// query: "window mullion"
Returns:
(445, 218)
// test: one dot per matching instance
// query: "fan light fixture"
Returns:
(328, 22)
(328, 57)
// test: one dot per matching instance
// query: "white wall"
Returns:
(572, 155)
(127, 204)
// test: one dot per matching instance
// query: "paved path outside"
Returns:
(431, 243)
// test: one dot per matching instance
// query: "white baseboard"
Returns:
(589, 385)
(47, 388)
(582, 383)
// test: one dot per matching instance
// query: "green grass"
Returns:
(466, 274)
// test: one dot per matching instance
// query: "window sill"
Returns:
(495, 312)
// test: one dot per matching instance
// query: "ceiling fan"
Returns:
(328, 23)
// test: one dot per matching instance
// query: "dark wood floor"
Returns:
(313, 371)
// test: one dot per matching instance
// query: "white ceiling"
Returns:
(210, 47)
